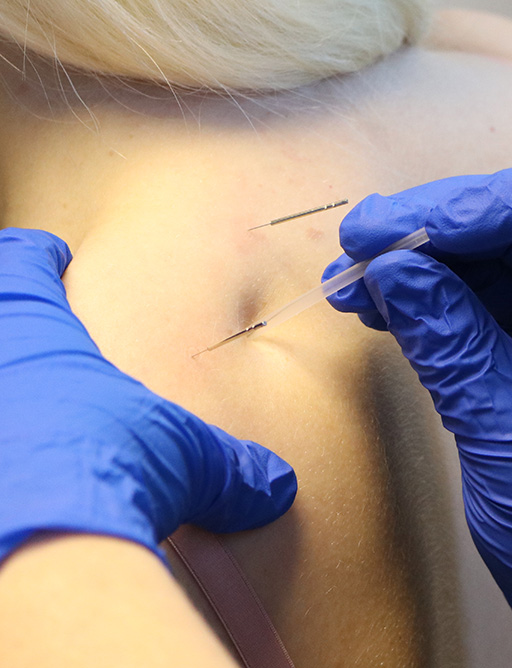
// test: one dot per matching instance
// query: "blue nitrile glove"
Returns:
(86, 448)
(450, 309)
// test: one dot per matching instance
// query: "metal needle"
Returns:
(276, 221)
(243, 332)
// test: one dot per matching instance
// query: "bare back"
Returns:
(156, 206)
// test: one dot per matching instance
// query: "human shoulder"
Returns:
(476, 32)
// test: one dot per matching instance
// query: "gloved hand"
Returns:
(86, 448)
(449, 306)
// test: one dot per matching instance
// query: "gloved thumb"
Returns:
(258, 487)
(202, 475)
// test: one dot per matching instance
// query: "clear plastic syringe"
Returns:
(323, 290)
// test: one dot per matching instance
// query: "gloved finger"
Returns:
(464, 215)
(456, 347)
(222, 483)
(31, 263)
(378, 221)
(374, 320)
(355, 297)
(258, 487)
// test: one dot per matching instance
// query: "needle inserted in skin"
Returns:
(238, 335)
(327, 288)
(276, 221)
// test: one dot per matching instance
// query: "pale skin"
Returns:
(155, 207)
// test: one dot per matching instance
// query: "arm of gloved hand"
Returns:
(450, 308)
(86, 448)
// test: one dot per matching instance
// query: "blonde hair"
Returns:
(233, 44)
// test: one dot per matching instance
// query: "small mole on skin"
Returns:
(314, 234)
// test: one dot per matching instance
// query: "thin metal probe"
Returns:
(276, 221)
(245, 331)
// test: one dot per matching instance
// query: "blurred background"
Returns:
(498, 6)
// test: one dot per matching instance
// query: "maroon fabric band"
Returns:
(231, 596)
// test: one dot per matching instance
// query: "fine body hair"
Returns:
(216, 44)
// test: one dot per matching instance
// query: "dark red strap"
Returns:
(232, 597)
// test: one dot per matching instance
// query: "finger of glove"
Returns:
(460, 354)
(374, 320)
(32, 261)
(376, 223)
(354, 298)
(464, 215)
(467, 218)
(257, 487)
(35, 316)
(205, 476)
